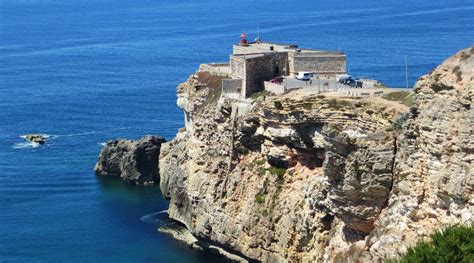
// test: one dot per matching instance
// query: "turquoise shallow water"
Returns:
(88, 71)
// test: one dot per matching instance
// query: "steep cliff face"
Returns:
(323, 177)
(433, 172)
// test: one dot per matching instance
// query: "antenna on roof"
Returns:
(258, 30)
(258, 33)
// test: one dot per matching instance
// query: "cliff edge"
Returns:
(320, 177)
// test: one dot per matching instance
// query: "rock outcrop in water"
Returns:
(133, 161)
(36, 138)
(320, 178)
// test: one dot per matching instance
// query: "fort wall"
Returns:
(232, 88)
(318, 63)
(220, 69)
(254, 69)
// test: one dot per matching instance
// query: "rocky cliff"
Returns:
(313, 178)
(133, 161)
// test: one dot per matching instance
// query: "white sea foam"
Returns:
(24, 145)
(28, 144)
(90, 132)
(155, 218)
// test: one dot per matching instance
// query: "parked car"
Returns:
(277, 80)
(306, 76)
(352, 82)
(342, 78)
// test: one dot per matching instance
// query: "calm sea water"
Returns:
(86, 71)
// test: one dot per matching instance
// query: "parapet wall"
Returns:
(274, 88)
(319, 63)
(220, 69)
(237, 67)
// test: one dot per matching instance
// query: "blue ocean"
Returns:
(86, 71)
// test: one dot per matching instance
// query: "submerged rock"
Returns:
(133, 161)
(36, 138)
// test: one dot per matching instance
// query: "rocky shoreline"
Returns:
(179, 232)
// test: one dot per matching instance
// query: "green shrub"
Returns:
(260, 161)
(259, 198)
(280, 172)
(261, 171)
(454, 244)
(410, 100)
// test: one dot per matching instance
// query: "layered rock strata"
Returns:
(133, 161)
(323, 178)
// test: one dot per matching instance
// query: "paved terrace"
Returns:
(328, 85)
(262, 47)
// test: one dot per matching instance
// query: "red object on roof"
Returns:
(243, 38)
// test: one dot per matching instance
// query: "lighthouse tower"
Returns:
(243, 39)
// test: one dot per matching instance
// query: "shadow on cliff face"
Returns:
(123, 190)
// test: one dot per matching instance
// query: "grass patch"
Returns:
(260, 198)
(256, 95)
(454, 244)
(405, 97)
(396, 95)
(410, 100)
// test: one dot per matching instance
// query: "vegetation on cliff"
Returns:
(402, 96)
(454, 244)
